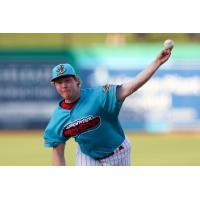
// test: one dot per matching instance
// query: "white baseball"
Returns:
(169, 44)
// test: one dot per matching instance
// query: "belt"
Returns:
(111, 154)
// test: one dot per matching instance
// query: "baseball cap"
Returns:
(62, 70)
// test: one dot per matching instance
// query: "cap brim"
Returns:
(64, 75)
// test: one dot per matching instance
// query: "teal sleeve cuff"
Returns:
(53, 144)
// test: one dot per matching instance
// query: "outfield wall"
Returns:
(169, 101)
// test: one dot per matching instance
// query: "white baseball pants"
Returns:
(121, 157)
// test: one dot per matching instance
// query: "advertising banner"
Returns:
(168, 101)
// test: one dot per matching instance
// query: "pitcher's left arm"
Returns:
(130, 87)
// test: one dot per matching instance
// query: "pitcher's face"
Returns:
(68, 87)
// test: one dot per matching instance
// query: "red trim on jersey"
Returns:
(67, 106)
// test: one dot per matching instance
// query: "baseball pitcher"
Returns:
(90, 116)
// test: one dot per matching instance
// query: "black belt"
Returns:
(110, 154)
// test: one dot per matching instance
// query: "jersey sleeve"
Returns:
(53, 135)
(52, 139)
(110, 102)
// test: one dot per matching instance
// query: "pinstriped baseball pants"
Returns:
(119, 158)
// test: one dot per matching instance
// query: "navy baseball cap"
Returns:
(62, 70)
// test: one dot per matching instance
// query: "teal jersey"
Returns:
(93, 122)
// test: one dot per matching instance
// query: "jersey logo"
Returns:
(80, 126)
(106, 87)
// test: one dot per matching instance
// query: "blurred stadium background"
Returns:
(162, 119)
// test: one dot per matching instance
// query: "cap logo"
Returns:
(60, 70)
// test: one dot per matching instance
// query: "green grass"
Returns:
(26, 149)
(166, 150)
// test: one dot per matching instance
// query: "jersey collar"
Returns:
(67, 106)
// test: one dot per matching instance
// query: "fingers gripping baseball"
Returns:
(164, 56)
(166, 52)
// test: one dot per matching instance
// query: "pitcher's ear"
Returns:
(52, 83)
(79, 82)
